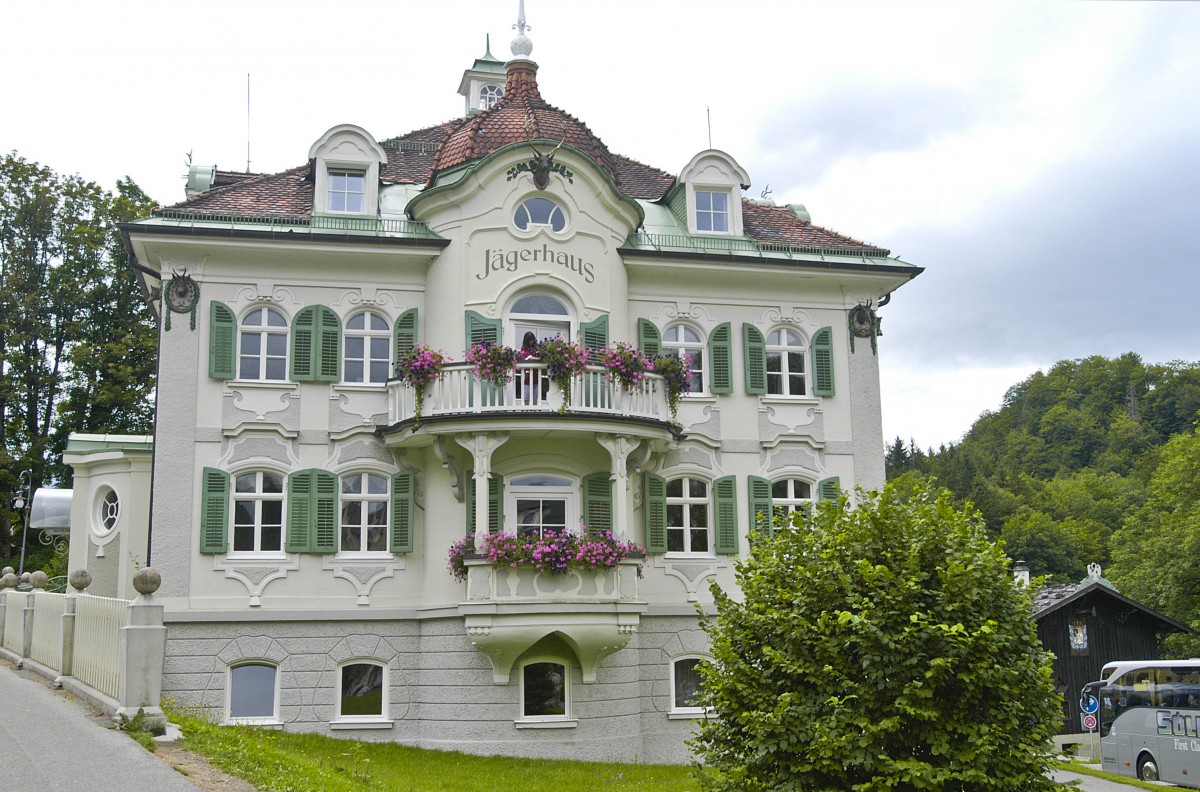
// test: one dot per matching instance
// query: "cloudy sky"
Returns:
(1040, 160)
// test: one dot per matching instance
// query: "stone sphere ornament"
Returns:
(39, 579)
(80, 579)
(7, 571)
(147, 580)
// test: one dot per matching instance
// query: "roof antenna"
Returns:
(247, 122)
(708, 112)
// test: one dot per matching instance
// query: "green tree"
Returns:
(877, 647)
(76, 339)
(1155, 552)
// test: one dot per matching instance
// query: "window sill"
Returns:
(360, 387)
(676, 555)
(261, 723)
(256, 557)
(686, 714)
(561, 723)
(777, 398)
(346, 725)
(366, 558)
(263, 384)
(696, 398)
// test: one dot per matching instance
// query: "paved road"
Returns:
(1089, 784)
(49, 741)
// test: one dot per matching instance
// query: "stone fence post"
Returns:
(143, 649)
(79, 580)
(8, 579)
(35, 581)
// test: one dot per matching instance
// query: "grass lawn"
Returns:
(1091, 770)
(285, 762)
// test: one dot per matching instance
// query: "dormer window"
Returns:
(711, 185)
(347, 191)
(712, 211)
(489, 95)
(346, 166)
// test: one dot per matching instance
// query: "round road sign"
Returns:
(1089, 722)
(1089, 704)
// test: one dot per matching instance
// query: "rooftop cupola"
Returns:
(483, 84)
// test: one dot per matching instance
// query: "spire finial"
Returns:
(487, 48)
(521, 45)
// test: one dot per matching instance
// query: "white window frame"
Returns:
(712, 214)
(258, 497)
(364, 498)
(367, 334)
(514, 490)
(354, 176)
(678, 346)
(564, 721)
(532, 227)
(343, 148)
(264, 332)
(383, 719)
(489, 95)
(714, 171)
(543, 325)
(688, 502)
(273, 718)
(107, 514)
(778, 341)
(786, 505)
(677, 711)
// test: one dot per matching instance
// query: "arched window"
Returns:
(686, 685)
(367, 342)
(489, 95)
(684, 339)
(258, 512)
(544, 315)
(364, 513)
(362, 692)
(262, 345)
(785, 363)
(789, 495)
(688, 516)
(538, 212)
(542, 503)
(108, 511)
(253, 693)
(545, 691)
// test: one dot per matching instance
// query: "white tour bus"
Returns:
(1149, 719)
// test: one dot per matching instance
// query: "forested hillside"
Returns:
(1096, 460)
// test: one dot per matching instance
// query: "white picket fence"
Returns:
(98, 622)
(48, 611)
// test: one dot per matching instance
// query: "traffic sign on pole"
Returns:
(1089, 704)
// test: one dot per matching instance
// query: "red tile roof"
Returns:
(777, 225)
(522, 114)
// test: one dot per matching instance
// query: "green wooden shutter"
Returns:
(404, 335)
(654, 508)
(761, 508)
(214, 511)
(829, 489)
(725, 495)
(403, 490)
(595, 337)
(299, 516)
(597, 502)
(481, 330)
(649, 338)
(324, 512)
(754, 348)
(327, 351)
(720, 359)
(495, 503)
(304, 331)
(222, 340)
(822, 351)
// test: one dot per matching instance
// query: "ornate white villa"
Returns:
(300, 500)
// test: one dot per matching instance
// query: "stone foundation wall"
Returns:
(440, 689)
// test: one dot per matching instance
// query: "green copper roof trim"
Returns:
(732, 244)
(462, 170)
(100, 443)
(374, 226)
(488, 62)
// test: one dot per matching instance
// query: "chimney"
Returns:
(1021, 572)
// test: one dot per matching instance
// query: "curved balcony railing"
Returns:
(460, 392)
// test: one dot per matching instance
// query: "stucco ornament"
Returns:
(181, 295)
(864, 323)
